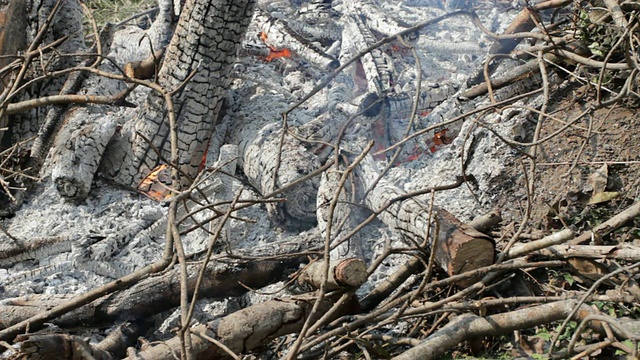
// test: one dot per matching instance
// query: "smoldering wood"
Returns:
(157, 294)
(53, 120)
(259, 162)
(17, 309)
(221, 26)
(415, 265)
(313, 151)
(43, 346)
(65, 24)
(279, 35)
(344, 214)
(224, 278)
(58, 346)
(122, 337)
(63, 346)
(13, 38)
(302, 151)
(15, 251)
(78, 151)
(40, 31)
(377, 65)
(459, 247)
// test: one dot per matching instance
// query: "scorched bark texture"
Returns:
(205, 52)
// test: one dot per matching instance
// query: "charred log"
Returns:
(195, 71)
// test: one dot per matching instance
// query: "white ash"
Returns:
(257, 98)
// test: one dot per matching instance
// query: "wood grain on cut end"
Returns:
(466, 251)
(342, 273)
(459, 247)
(462, 248)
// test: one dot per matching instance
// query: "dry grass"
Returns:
(117, 10)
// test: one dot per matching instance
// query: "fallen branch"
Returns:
(618, 252)
(473, 326)
(597, 233)
(244, 330)
(553, 239)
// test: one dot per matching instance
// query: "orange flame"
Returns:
(156, 184)
(275, 53)
(440, 138)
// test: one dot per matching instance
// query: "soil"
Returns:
(565, 163)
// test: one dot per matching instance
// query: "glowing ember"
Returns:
(440, 138)
(275, 53)
(157, 184)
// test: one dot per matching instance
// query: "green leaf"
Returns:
(627, 343)
(568, 278)
(595, 49)
(544, 335)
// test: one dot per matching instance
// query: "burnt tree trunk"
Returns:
(203, 46)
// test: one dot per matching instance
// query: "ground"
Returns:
(564, 187)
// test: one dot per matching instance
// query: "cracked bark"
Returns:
(204, 43)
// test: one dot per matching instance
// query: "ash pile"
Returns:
(340, 144)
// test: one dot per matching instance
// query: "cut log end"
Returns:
(349, 273)
(471, 255)
(466, 249)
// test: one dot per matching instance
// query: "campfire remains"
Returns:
(239, 173)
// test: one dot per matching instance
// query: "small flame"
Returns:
(156, 184)
(203, 161)
(440, 138)
(275, 53)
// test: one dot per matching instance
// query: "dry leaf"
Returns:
(603, 197)
(598, 181)
(590, 269)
